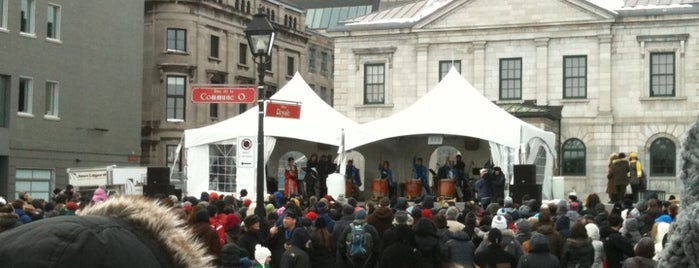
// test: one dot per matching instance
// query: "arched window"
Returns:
(300, 161)
(662, 157)
(573, 158)
(540, 163)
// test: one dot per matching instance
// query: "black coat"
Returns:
(295, 257)
(400, 255)
(616, 249)
(460, 248)
(539, 254)
(121, 232)
(578, 253)
(493, 255)
(247, 242)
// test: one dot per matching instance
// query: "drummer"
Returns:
(386, 174)
(420, 172)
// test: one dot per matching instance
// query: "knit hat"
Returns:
(426, 213)
(300, 237)
(499, 222)
(401, 217)
(495, 236)
(320, 223)
(251, 220)
(360, 214)
(311, 216)
(213, 196)
(72, 206)
(502, 212)
(523, 226)
(508, 201)
(231, 221)
(262, 253)
(269, 208)
(322, 207)
(645, 248)
(247, 202)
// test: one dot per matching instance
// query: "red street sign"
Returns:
(283, 110)
(223, 94)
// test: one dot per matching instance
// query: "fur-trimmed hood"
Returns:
(122, 232)
(162, 223)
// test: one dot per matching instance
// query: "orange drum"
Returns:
(413, 188)
(348, 188)
(447, 189)
(379, 188)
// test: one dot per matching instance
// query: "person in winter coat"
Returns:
(593, 233)
(483, 188)
(539, 255)
(251, 236)
(645, 250)
(340, 226)
(342, 244)
(616, 246)
(296, 255)
(507, 241)
(636, 176)
(497, 184)
(401, 253)
(619, 171)
(578, 251)
(18, 205)
(205, 232)
(428, 243)
(382, 217)
(230, 256)
(8, 218)
(113, 234)
(99, 196)
(524, 234)
(322, 252)
(631, 230)
(493, 255)
(611, 185)
(460, 249)
(545, 227)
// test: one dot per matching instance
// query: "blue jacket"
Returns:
(483, 188)
(388, 175)
(420, 172)
(353, 173)
(23, 217)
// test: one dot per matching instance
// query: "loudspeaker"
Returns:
(524, 174)
(163, 190)
(158, 176)
(517, 191)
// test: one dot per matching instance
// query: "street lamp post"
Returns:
(260, 35)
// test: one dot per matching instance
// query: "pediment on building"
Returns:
(475, 14)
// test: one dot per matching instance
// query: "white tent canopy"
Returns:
(455, 107)
(318, 123)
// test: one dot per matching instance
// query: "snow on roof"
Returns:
(408, 13)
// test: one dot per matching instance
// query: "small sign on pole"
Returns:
(283, 110)
(245, 157)
(223, 94)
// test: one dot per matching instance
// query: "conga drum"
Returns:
(412, 189)
(379, 189)
(447, 189)
(348, 188)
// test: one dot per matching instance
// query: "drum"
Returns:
(413, 188)
(447, 189)
(379, 189)
(348, 188)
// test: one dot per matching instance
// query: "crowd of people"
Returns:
(338, 232)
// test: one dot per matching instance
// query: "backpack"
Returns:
(359, 242)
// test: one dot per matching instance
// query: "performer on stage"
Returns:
(291, 178)
(420, 172)
(387, 174)
(352, 173)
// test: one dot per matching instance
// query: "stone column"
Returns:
(479, 65)
(604, 86)
(421, 62)
(542, 58)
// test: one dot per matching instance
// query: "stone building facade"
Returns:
(191, 42)
(607, 78)
(70, 90)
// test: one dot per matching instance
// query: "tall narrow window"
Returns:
(27, 16)
(374, 77)
(53, 22)
(445, 66)
(243, 54)
(574, 77)
(51, 98)
(3, 14)
(290, 66)
(662, 74)
(662, 157)
(511, 79)
(312, 59)
(26, 86)
(4, 100)
(214, 46)
(176, 40)
(323, 61)
(175, 98)
(573, 158)
(324, 93)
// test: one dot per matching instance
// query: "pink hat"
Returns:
(311, 216)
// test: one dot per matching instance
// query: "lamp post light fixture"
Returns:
(260, 35)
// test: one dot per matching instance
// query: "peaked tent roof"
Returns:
(318, 123)
(454, 107)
